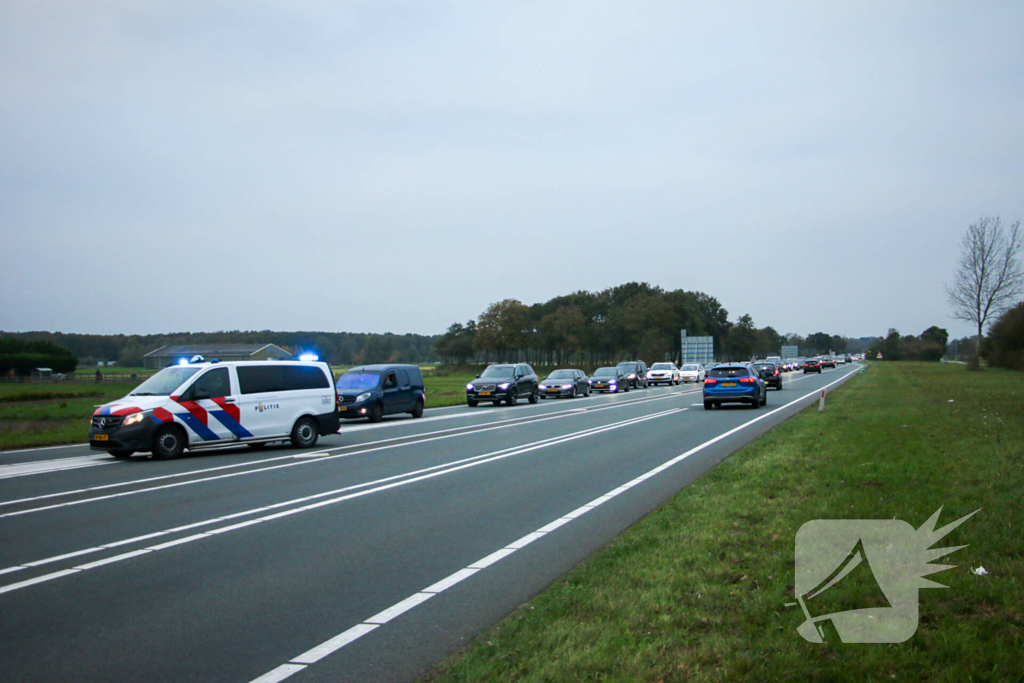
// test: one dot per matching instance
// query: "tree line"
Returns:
(634, 321)
(337, 348)
(22, 357)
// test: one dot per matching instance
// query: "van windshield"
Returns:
(359, 380)
(166, 381)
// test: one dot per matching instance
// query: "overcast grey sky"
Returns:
(397, 166)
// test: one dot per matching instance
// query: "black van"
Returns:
(373, 391)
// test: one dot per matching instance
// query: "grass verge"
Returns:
(696, 590)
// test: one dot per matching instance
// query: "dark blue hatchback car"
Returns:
(373, 391)
(734, 383)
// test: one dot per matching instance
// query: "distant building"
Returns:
(172, 355)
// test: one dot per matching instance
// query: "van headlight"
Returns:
(504, 386)
(362, 397)
(133, 419)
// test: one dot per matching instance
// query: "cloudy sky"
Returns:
(397, 166)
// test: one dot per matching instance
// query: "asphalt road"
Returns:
(369, 558)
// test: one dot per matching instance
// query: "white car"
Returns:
(692, 372)
(663, 373)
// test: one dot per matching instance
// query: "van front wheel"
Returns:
(305, 433)
(377, 412)
(169, 442)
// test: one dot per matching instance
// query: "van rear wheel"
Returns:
(305, 432)
(417, 410)
(169, 442)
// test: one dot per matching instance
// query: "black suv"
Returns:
(636, 372)
(771, 373)
(506, 382)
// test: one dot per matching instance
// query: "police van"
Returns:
(210, 404)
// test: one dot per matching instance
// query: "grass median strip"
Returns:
(697, 590)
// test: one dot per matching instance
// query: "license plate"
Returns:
(728, 384)
(342, 409)
(552, 391)
(485, 393)
(100, 437)
(599, 386)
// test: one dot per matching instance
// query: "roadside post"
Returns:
(821, 403)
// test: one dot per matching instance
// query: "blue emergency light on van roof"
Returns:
(309, 357)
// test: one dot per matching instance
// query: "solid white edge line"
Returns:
(341, 640)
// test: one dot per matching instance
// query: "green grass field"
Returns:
(696, 590)
(51, 414)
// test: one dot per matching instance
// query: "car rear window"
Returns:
(256, 379)
(730, 372)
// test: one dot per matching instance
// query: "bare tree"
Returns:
(989, 278)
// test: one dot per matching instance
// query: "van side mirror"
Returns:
(478, 375)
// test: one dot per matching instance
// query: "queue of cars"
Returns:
(205, 404)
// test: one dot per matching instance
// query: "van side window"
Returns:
(389, 381)
(416, 377)
(258, 379)
(403, 378)
(213, 384)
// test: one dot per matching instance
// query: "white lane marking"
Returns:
(485, 562)
(336, 643)
(111, 560)
(379, 485)
(39, 579)
(318, 454)
(280, 673)
(450, 580)
(23, 469)
(399, 608)
(339, 641)
(45, 448)
(259, 466)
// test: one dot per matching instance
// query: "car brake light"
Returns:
(776, 373)
(747, 380)
(710, 380)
